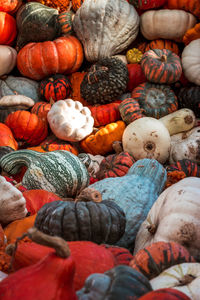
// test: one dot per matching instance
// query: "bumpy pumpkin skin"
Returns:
(100, 40)
(134, 193)
(80, 219)
(161, 66)
(155, 100)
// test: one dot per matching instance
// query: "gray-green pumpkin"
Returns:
(135, 193)
(60, 172)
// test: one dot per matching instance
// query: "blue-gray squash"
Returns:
(135, 193)
(60, 172)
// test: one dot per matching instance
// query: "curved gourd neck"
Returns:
(12, 162)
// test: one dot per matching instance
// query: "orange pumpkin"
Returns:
(38, 60)
(101, 141)
(60, 5)
(41, 109)
(192, 34)
(27, 128)
(10, 6)
(8, 29)
(76, 4)
(76, 79)
(192, 6)
(160, 44)
(6, 137)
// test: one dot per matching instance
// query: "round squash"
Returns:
(8, 58)
(8, 29)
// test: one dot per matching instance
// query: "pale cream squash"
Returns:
(8, 59)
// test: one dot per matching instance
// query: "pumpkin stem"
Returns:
(163, 58)
(117, 147)
(89, 194)
(152, 228)
(51, 101)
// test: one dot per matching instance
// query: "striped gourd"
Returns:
(130, 110)
(60, 172)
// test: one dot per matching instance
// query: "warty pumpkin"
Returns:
(191, 61)
(166, 24)
(27, 128)
(60, 172)
(95, 30)
(100, 142)
(192, 34)
(65, 55)
(161, 66)
(8, 29)
(192, 6)
(168, 220)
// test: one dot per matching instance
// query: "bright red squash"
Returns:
(27, 128)
(192, 6)
(136, 76)
(8, 29)
(165, 294)
(35, 199)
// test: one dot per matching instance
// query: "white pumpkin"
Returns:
(174, 217)
(166, 24)
(12, 202)
(70, 120)
(184, 277)
(8, 59)
(191, 61)
(185, 145)
(147, 138)
(20, 101)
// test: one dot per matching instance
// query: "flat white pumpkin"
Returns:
(69, 120)
(191, 61)
(8, 59)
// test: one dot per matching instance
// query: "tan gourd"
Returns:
(185, 145)
(166, 24)
(179, 121)
(147, 138)
(70, 120)
(8, 59)
(174, 217)
(191, 61)
(20, 101)
(12, 202)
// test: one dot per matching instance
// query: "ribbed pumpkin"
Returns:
(161, 66)
(105, 81)
(102, 222)
(160, 44)
(189, 97)
(76, 4)
(130, 110)
(41, 109)
(64, 20)
(56, 87)
(39, 60)
(165, 294)
(115, 165)
(193, 6)
(6, 137)
(192, 34)
(136, 76)
(101, 141)
(8, 29)
(27, 128)
(187, 166)
(60, 5)
(155, 100)
(153, 259)
(105, 114)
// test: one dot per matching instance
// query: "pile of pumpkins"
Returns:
(99, 149)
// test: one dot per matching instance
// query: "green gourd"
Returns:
(60, 172)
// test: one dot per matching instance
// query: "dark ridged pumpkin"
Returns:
(187, 166)
(157, 257)
(105, 114)
(161, 66)
(102, 222)
(76, 4)
(56, 87)
(165, 294)
(41, 109)
(189, 97)
(130, 110)
(115, 165)
(160, 44)
(119, 283)
(105, 81)
(36, 23)
(155, 100)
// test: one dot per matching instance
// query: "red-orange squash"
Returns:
(41, 109)
(165, 294)
(39, 60)
(6, 137)
(160, 44)
(76, 4)
(192, 34)
(27, 128)
(8, 29)
(105, 114)
(192, 6)
(10, 6)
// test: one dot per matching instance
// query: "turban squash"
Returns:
(65, 55)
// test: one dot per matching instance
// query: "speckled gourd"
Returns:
(135, 193)
(60, 172)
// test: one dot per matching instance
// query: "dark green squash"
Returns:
(105, 81)
(102, 222)
(119, 283)
(189, 97)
